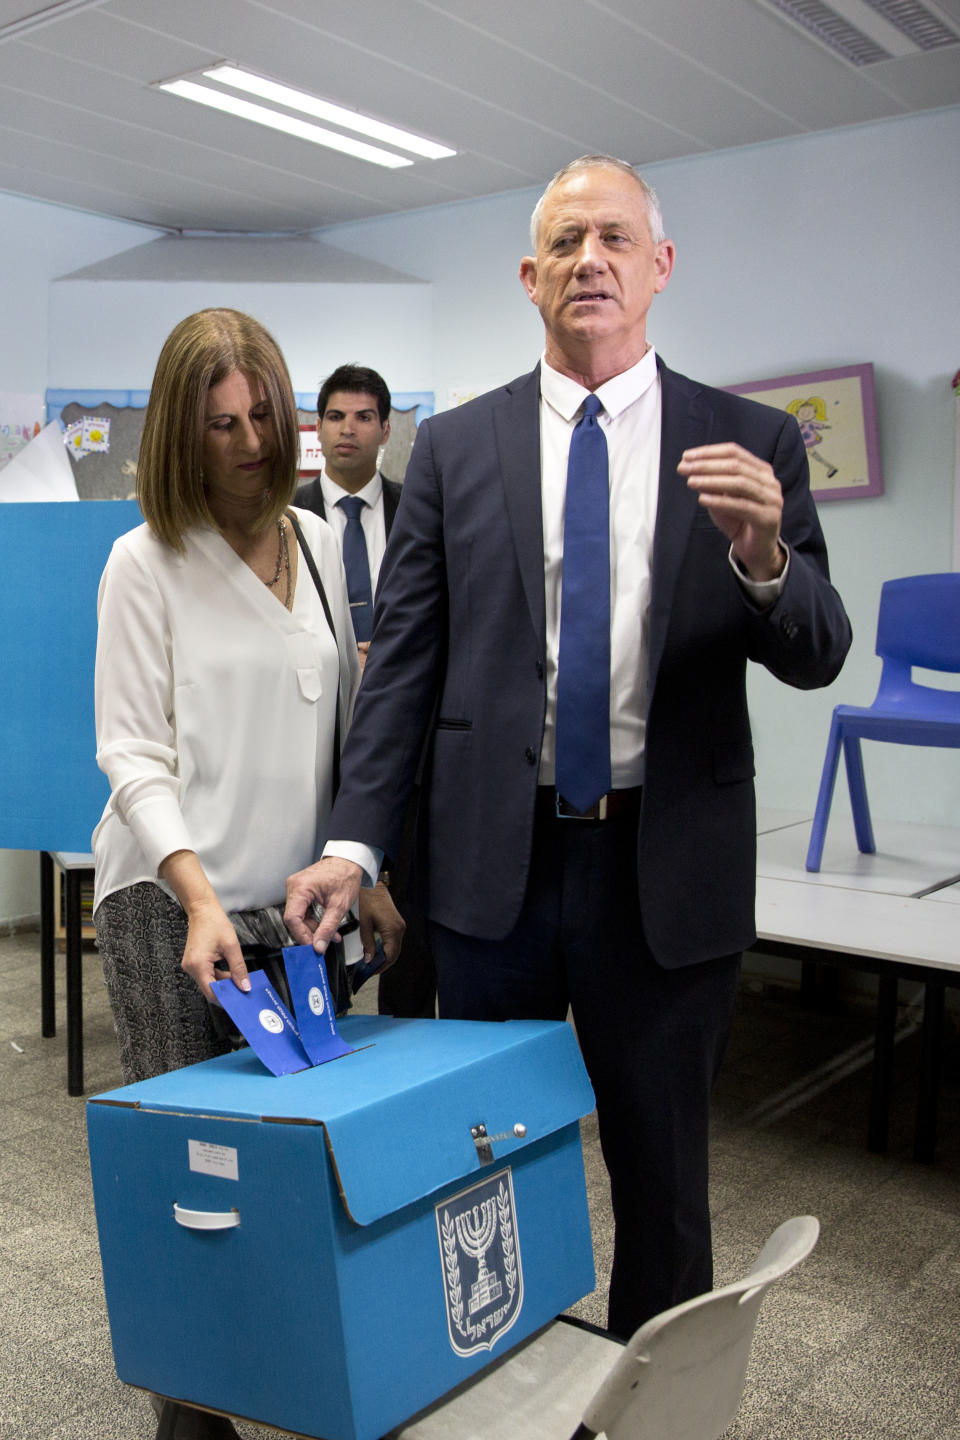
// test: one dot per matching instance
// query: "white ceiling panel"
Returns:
(517, 86)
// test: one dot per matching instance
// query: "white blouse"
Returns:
(215, 712)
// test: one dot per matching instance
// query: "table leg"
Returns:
(74, 948)
(928, 1091)
(808, 983)
(881, 1082)
(48, 999)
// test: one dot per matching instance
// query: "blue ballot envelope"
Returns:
(329, 1251)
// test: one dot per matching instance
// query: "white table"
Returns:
(892, 913)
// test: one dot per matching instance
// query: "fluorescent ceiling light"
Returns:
(323, 110)
(194, 89)
(289, 124)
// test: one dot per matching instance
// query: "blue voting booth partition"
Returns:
(51, 559)
(51, 791)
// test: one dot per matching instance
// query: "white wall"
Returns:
(804, 254)
(317, 326)
(41, 242)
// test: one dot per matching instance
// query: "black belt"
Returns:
(611, 806)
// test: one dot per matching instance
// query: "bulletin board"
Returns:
(111, 473)
(51, 558)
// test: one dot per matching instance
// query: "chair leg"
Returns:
(828, 778)
(857, 785)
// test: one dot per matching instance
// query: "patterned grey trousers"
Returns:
(160, 1016)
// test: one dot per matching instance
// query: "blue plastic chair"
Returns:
(918, 624)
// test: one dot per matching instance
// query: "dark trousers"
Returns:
(652, 1040)
(408, 989)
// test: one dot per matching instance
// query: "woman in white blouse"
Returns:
(221, 684)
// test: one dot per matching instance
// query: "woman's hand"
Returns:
(210, 936)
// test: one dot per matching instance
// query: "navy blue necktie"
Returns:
(583, 667)
(357, 566)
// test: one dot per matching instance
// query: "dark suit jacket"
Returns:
(309, 496)
(460, 614)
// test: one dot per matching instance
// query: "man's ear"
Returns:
(386, 432)
(666, 254)
(528, 276)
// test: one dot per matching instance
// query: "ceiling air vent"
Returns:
(915, 21)
(865, 32)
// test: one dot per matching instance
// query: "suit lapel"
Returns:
(686, 420)
(516, 427)
(316, 499)
(391, 497)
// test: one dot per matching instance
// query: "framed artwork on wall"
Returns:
(837, 414)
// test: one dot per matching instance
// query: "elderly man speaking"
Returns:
(581, 566)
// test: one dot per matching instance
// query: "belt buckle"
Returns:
(596, 812)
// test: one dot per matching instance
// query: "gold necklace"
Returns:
(283, 563)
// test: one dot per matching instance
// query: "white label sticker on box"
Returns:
(209, 1159)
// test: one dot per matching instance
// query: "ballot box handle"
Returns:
(205, 1219)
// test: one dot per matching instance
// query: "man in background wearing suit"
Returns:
(607, 522)
(353, 422)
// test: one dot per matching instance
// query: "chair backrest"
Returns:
(919, 621)
(681, 1376)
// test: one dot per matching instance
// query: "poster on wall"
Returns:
(837, 414)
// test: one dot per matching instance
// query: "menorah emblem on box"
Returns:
(480, 1254)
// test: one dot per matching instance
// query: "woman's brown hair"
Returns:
(200, 352)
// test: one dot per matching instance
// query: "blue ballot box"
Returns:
(329, 1251)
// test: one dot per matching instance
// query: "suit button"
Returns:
(789, 628)
(530, 755)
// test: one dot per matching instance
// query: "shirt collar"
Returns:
(566, 396)
(332, 492)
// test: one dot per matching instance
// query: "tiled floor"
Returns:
(861, 1343)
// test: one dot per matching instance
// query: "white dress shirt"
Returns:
(215, 713)
(371, 518)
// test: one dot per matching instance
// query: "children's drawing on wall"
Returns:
(811, 416)
(21, 418)
(836, 412)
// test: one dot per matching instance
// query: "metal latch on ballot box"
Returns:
(485, 1142)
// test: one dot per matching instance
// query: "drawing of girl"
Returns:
(811, 416)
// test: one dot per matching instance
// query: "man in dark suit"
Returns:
(353, 423)
(633, 904)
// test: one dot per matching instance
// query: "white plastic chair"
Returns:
(680, 1377)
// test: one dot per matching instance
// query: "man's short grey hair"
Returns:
(601, 162)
